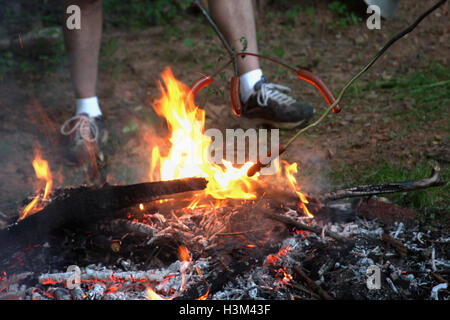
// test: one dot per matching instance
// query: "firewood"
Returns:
(398, 246)
(317, 289)
(84, 205)
(136, 227)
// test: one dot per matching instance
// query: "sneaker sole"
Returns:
(247, 123)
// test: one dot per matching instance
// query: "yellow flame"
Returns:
(152, 295)
(189, 150)
(188, 154)
(42, 171)
(291, 170)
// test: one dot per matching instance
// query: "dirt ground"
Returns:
(33, 107)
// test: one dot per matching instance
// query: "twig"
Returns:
(136, 227)
(370, 190)
(438, 277)
(322, 293)
(398, 246)
(301, 226)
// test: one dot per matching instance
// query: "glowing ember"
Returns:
(42, 171)
(273, 259)
(286, 277)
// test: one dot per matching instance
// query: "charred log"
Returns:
(85, 205)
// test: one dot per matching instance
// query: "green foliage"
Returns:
(338, 7)
(139, 14)
(279, 52)
(188, 43)
(293, 12)
(346, 17)
(41, 59)
(7, 62)
(108, 61)
(309, 11)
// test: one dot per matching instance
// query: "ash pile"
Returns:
(240, 249)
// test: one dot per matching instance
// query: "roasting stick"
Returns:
(257, 167)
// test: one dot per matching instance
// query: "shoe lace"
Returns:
(85, 125)
(275, 92)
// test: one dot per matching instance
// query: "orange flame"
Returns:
(190, 146)
(291, 170)
(42, 171)
(189, 151)
(183, 254)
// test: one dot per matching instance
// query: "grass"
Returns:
(427, 96)
(428, 90)
(43, 58)
(346, 17)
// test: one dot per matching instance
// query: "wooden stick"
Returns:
(301, 226)
(375, 189)
(398, 246)
(317, 289)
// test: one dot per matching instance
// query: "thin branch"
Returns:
(301, 226)
(370, 190)
(317, 289)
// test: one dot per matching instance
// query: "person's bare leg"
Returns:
(262, 101)
(86, 129)
(83, 47)
(236, 20)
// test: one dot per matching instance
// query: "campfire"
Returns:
(203, 230)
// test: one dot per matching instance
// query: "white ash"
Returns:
(339, 272)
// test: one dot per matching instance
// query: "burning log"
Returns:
(84, 205)
(375, 189)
